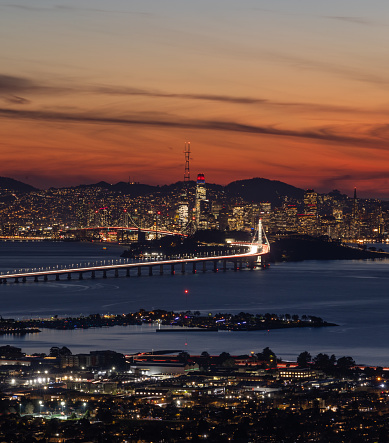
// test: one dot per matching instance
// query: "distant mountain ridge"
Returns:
(263, 190)
(11, 184)
(251, 190)
(133, 189)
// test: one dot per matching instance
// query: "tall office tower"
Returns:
(81, 213)
(201, 194)
(183, 204)
(103, 217)
(355, 225)
(183, 212)
(125, 219)
(266, 215)
(187, 158)
(355, 205)
(291, 218)
(309, 220)
(310, 202)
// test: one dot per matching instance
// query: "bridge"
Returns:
(19, 238)
(250, 259)
(151, 230)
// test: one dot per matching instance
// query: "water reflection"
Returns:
(350, 293)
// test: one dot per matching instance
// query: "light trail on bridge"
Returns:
(116, 267)
(127, 228)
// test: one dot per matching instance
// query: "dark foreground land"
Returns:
(247, 398)
(304, 247)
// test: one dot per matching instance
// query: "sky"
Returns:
(289, 90)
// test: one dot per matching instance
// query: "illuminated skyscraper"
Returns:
(309, 220)
(103, 219)
(310, 202)
(183, 213)
(355, 225)
(201, 195)
(355, 206)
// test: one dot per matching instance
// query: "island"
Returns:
(179, 321)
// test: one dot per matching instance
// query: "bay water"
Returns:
(352, 294)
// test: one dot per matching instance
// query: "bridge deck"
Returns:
(265, 250)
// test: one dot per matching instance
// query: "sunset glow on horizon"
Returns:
(293, 91)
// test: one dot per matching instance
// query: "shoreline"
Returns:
(243, 321)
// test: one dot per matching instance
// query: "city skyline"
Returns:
(293, 91)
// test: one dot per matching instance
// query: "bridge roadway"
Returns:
(237, 259)
(151, 230)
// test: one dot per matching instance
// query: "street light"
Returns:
(40, 407)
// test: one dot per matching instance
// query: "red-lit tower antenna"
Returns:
(187, 157)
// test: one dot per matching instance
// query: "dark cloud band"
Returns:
(324, 134)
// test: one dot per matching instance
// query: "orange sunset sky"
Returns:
(291, 90)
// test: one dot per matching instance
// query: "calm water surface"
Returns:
(353, 294)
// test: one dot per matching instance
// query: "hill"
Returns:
(263, 190)
(304, 247)
(9, 184)
(251, 190)
(133, 189)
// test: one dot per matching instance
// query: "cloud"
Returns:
(358, 176)
(158, 94)
(336, 69)
(26, 7)
(16, 100)
(219, 98)
(13, 86)
(71, 9)
(350, 19)
(367, 182)
(324, 134)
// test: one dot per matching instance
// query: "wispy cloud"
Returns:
(26, 7)
(352, 19)
(14, 86)
(324, 133)
(65, 8)
(331, 68)
(220, 98)
(351, 178)
(11, 84)
(14, 99)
